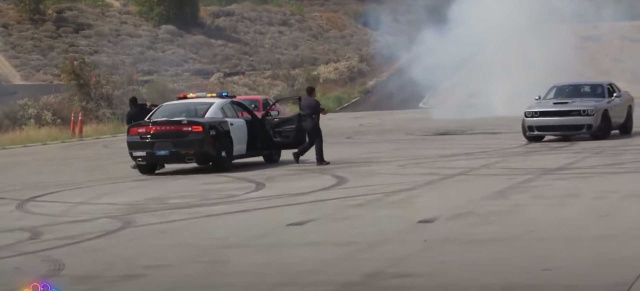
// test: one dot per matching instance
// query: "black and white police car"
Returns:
(211, 129)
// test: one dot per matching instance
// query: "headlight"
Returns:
(528, 113)
(584, 112)
(536, 113)
(592, 112)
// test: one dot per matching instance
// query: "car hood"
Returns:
(567, 104)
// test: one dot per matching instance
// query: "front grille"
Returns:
(560, 128)
(560, 113)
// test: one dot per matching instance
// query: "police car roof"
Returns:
(199, 100)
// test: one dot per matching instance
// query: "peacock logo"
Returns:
(40, 287)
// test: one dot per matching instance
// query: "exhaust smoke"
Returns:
(491, 57)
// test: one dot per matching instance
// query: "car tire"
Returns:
(531, 138)
(603, 131)
(273, 157)
(148, 169)
(627, 126)
(203, 162)
(224, 159)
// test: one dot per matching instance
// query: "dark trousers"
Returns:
(314, 138)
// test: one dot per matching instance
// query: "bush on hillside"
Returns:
(30, 8)
(183, 14)
(100, 96)
(38, 113)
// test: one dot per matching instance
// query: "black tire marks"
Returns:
(124, 223)
(55, 267)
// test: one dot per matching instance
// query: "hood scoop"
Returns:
(561, 102)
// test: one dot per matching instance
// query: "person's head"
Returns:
(133, 101)
(311, 92)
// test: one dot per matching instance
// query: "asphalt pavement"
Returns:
(409, 203)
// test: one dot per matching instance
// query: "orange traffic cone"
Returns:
(73, 125)
(80, 125)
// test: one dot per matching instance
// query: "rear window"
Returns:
(182, 110)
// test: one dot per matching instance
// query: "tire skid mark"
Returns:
(34, 234)
(340, 181)
(477, 156)
(505, 192)
(257, 185)
(23, 203)
(125, 223)
(55, 267)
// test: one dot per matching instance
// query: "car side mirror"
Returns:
(274, 113)
(538, 98)
(617, 95)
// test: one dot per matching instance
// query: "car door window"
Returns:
(616, 88)
(266, 103)
(241, 112)
(610, 91)
(229, 112)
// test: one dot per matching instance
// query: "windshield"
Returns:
(182, 110)
(253, 104)
(576, 91)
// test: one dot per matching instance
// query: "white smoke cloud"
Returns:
(493, 56)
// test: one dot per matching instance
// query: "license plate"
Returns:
(139, 154)
(163, 146)
(162, 153)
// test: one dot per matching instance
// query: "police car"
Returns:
(211, 129)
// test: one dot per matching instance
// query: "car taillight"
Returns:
(165, 128)
(138, 130)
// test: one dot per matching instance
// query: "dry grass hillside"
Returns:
(241, 37)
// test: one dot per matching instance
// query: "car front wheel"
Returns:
(530, 138)
(603, 131)
(627, 126)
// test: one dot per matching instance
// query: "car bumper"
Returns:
(561, 126)
(169, 151)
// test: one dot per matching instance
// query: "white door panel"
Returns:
(238, 128)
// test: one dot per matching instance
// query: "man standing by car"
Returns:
(311, 109)
(138, 112)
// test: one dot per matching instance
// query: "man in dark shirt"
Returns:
(311, 109)
(138, 112)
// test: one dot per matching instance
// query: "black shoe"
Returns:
(323, 163)
(296, 157)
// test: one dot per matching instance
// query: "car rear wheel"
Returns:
(224, 160)
(603, 131)
(272, 157)
(530, 138)
(148, 169)
(627, 126)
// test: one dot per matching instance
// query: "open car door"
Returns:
(286, 131)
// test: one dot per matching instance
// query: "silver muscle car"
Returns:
(581, 108)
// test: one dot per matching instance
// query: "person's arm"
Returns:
(129, 121)
(321, 109)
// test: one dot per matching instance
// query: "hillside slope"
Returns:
(236, 38)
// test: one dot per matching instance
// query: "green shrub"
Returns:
(30, 8)
(293, 6)
(183, 14)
